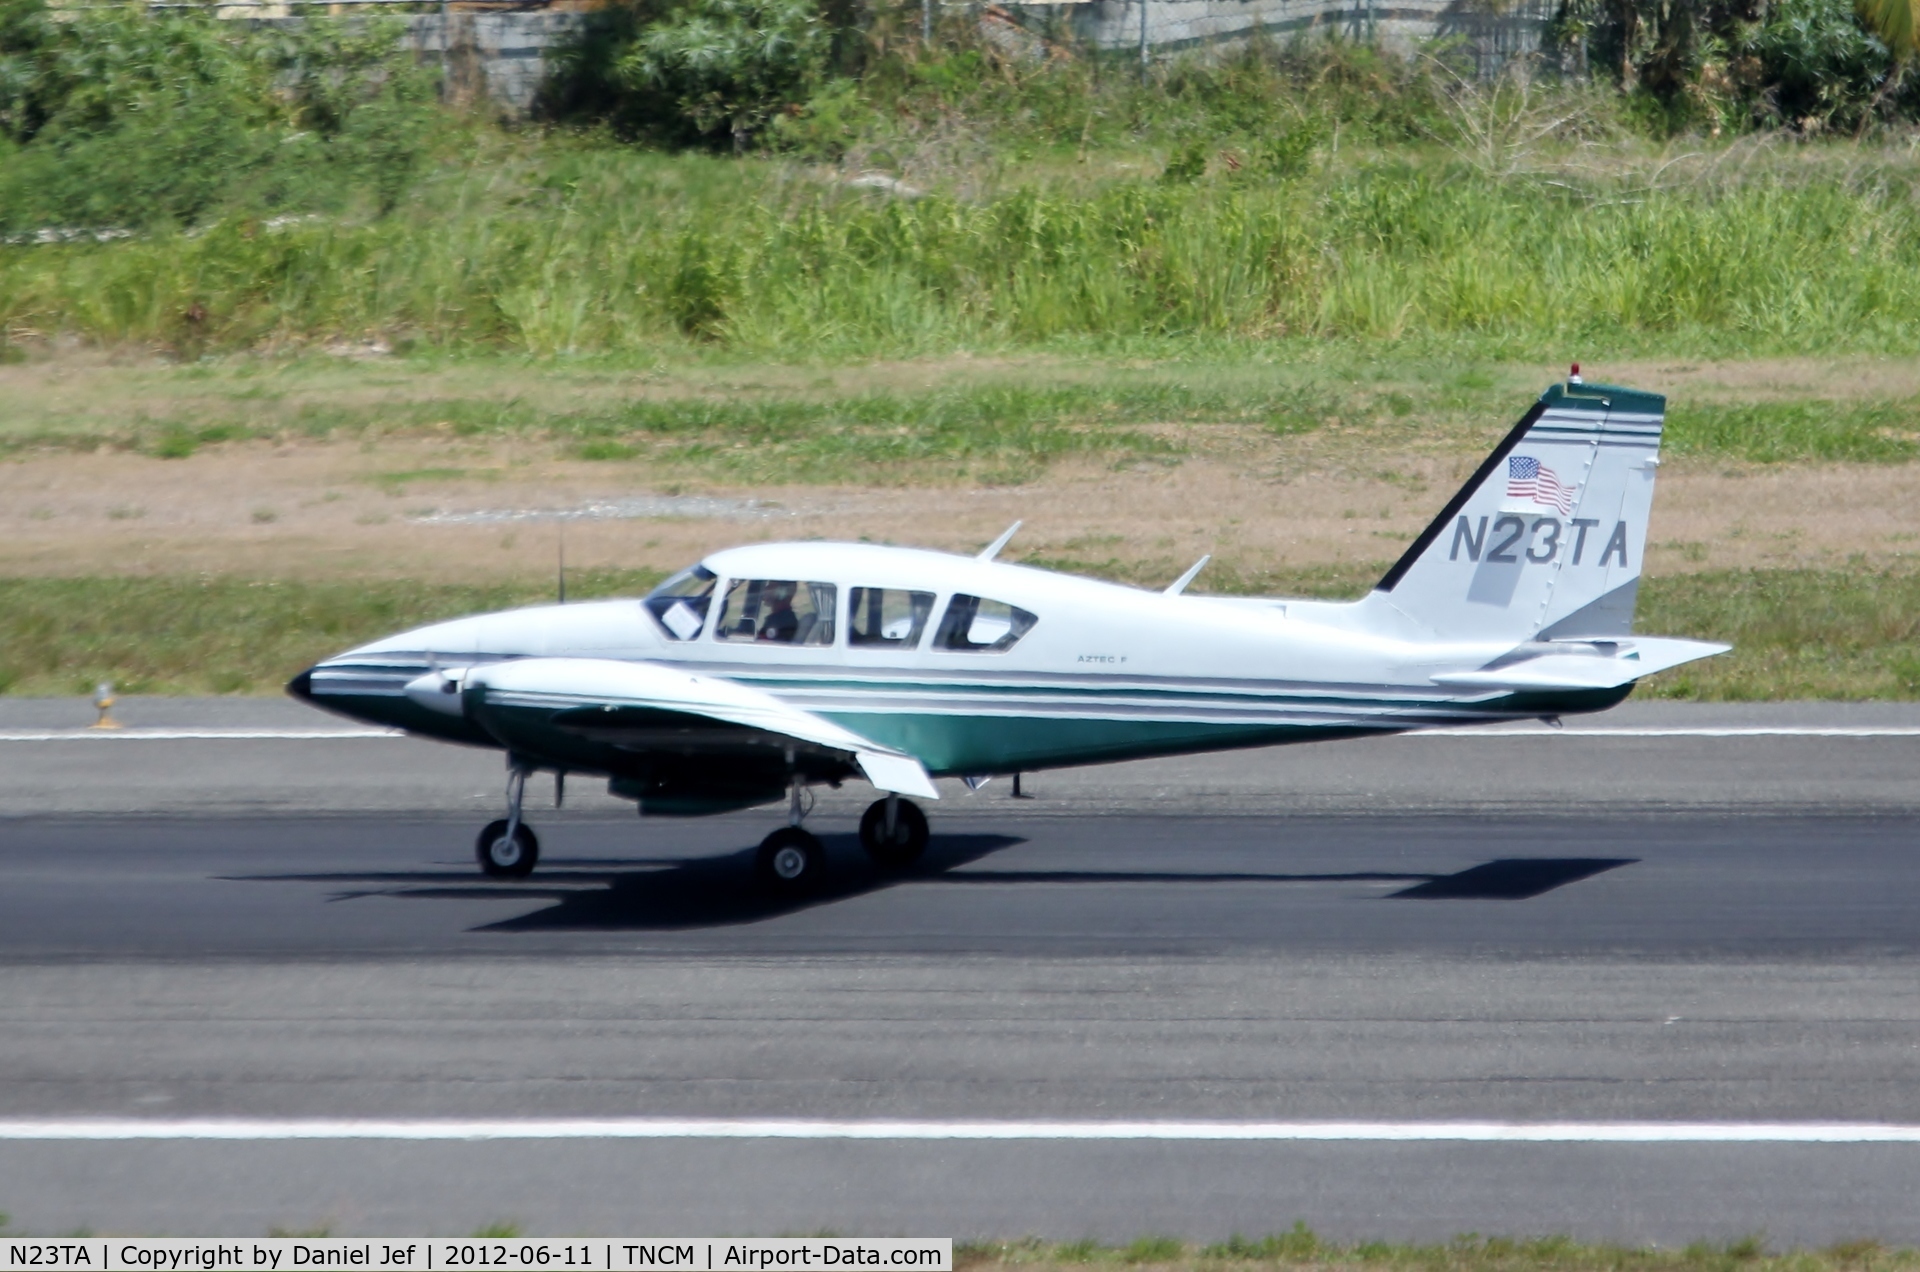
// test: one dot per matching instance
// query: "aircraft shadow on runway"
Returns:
(668, 893)
(655, 893)
(1507, 879)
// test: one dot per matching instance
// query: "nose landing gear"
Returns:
(508, 848)
(507, 853)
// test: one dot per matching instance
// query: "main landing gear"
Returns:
(894, 832)
(791, 860)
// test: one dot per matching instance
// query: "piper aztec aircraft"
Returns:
(765, 670)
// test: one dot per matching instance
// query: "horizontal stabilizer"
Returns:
(1584, 665)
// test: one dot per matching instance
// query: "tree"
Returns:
(732, 64)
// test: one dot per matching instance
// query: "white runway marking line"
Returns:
(751, 1129)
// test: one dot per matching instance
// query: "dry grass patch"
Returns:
(478, 510)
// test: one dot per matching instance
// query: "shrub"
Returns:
(730, 66)
(1810, 64)
(120, 116)
(1817, 65)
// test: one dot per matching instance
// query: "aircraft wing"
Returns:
(1583, 664)
(649, 706)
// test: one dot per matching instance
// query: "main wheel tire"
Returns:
(791, 861)
(904, 846)
(503, 858)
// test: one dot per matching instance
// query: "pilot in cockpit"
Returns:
(781, 623)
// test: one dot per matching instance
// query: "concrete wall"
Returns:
(494, 56)
(1174, 25)
(497, 56)
(501, 56)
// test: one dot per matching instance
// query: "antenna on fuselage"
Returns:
(563, 563)
(993, 549)
(1179, 585)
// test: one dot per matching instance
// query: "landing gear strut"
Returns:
(508, 848)
(894, 832)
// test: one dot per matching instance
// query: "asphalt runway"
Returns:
(1433, 930)
(1006, 886)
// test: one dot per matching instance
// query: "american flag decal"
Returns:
(1528, 478)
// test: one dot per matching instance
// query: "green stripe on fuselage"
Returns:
(970, 744)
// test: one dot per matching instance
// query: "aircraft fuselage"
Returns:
(1104, 672)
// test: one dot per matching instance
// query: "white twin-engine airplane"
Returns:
(764, 670)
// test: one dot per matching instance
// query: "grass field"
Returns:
(724, 417)
(1797, 633)
(598, 249)
(213, 527)
(228, 451)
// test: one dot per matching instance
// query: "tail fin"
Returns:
(1544, 542)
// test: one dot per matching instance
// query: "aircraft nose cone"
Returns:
(301, 686)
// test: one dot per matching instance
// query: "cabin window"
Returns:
(978, 625)
(781, 611)
(680, 604)
(887, 617)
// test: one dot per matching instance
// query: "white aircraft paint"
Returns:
(766, 669)
(1491, 733)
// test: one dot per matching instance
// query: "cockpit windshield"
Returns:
(784, 611)
(680, 604)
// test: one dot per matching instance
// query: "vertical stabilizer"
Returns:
(1545, 539)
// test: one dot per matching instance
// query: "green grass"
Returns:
(1797, 633)
(997, 431)
(279, 191)
(228, 635)
(599, 249)
(1300, 1248)
(1001, 433)
(998, 423)
(1883, 431)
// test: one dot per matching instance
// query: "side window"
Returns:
(978, 625)
(779, 610)
(680, 604)
(887, 617)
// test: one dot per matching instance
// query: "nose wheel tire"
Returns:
(791, 861)
(504, 858)
(907, 841)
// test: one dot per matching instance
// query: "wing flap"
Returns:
(900, 774)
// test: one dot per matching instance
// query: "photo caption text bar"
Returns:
(469, 1254)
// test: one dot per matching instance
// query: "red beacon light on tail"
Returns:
(1573, 376)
